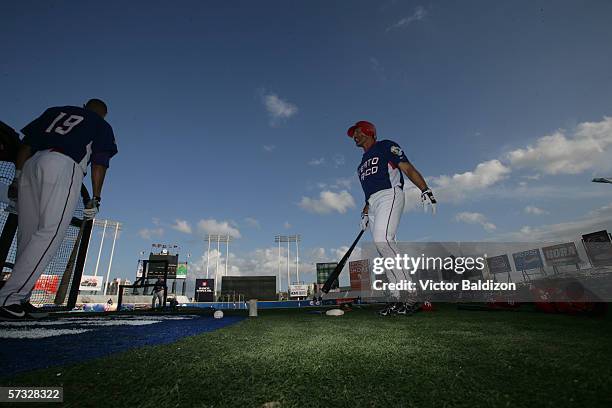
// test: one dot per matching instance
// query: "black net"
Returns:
(47, 285)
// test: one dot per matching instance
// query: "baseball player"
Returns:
(381, 173)
(51, 163)
(158, 293)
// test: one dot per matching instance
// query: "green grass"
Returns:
(295, 359)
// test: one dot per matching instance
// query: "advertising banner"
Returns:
(598, 248)
(48, 283)
(499, 264)
(298, 290)
(181, 270)
(359, 272)
(562, 254)
(90, 282)
(205, 290)
(526, 260)
(139, 269)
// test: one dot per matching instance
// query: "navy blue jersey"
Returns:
(378, 168)
(76, 132)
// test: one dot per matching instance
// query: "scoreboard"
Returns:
(251, 287)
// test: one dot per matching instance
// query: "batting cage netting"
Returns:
(53, 288)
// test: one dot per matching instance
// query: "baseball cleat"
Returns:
(12, 312)
(410, 308)
(403, 310)
(33, 311)
(389, 310)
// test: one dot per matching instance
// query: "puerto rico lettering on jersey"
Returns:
(368, 168)
(379, 170)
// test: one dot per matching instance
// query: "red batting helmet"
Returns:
(366, 127)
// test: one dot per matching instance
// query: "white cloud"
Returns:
(419, 14)
(586, 149)
(338, 253)
(252, 222)
(530, 209)
(598, 219)
(475, 218)
(339, 160)
(458, 186)
(317, 162)
(182, 226)
(278, 109)
(269, 148)
(412, 197)
(318, 255)
(328, 202)
(150, 233)
(335, 255)
(343, 182)
(211, 226)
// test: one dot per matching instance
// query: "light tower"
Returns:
(219, 239)
(288, 239)
(104, 224)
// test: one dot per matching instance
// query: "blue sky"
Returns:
(231, 116)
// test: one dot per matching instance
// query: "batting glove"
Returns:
(427, 197)
(365, 220)
(91, 209)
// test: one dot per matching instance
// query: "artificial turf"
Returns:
(295, 359)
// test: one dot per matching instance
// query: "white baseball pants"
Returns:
(49, 188)
(384, 214)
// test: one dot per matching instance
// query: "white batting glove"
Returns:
(365, 220)
(427, 197)
(91, 209)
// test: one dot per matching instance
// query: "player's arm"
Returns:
(103, 148)
(413, 175)
(98, 172)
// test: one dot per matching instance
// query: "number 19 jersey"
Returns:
(73, 131)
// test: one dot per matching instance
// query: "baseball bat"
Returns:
(62, 289)
(63, 286)
(334, 275)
